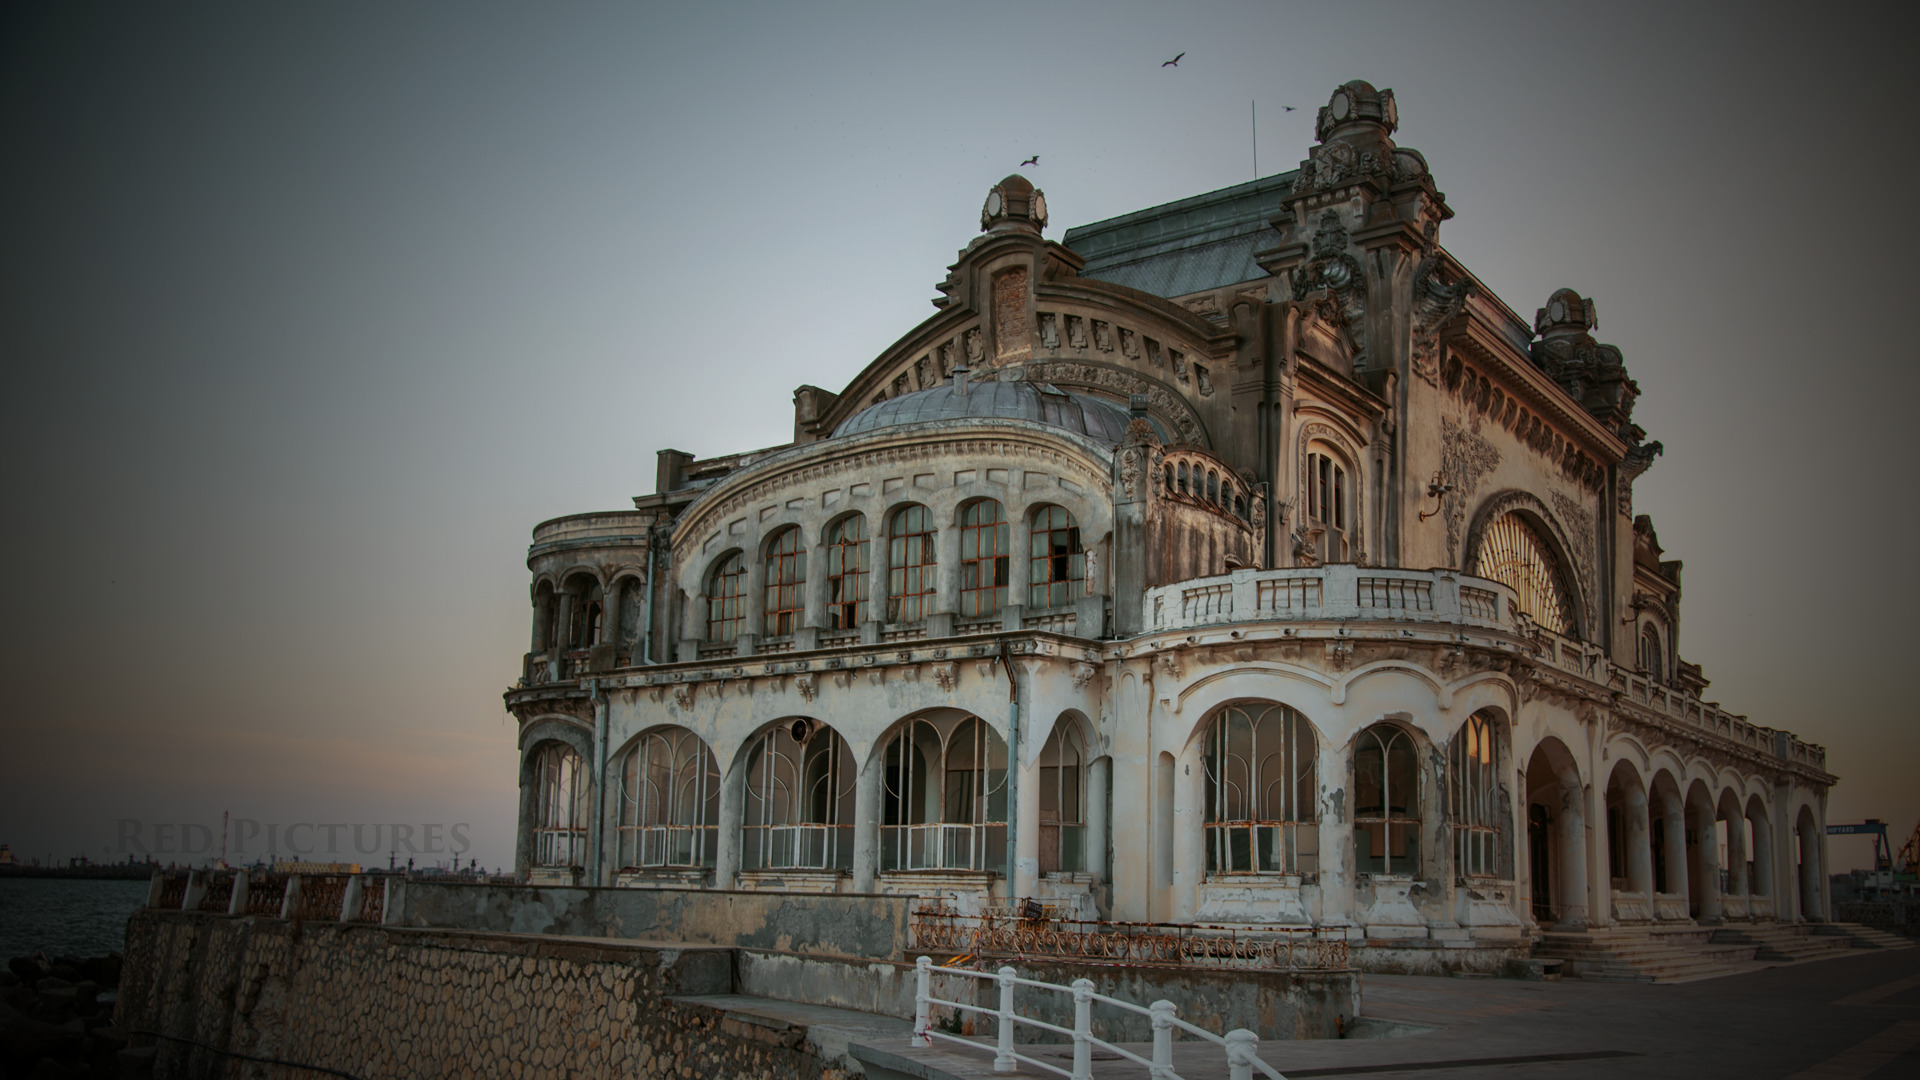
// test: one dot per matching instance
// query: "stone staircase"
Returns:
(1865, 937)
(1785, 943)
(1669, 954)
(1643, 954)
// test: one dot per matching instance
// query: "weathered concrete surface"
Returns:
(389, 1002)
(838, 925)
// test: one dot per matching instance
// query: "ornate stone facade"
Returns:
(1006, 618)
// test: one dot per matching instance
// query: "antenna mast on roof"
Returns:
(1253, 118)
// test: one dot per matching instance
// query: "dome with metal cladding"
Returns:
(1102, 421)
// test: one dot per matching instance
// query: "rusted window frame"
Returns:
(727, 598)
(984, 557)
(1044, 589)
(912, 586)
(784, 595)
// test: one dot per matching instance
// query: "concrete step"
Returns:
(1867, 936)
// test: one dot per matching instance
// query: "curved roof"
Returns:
(1040, 403)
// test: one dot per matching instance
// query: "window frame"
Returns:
(783, 603)
(1473, 793)
(1237, 819)
(985, 555)
(727, 585)
(648, 811)
(844, 614)
(1043, 558)
(1386, 825)
(921, 538)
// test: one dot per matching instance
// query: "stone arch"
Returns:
(1392, 798)
(1206, 693)
(1069, 799)
(1669, 836)
(1344, 448)
(1257, 787)
(1556, 859)
(1629, 823)
(1575, 572)
(794, 781)
(1480, 794)
(943, 794)
(1703, 866)
(1810, 859)
(667, 816)
(556, 812)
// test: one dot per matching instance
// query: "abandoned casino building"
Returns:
(1239, 561)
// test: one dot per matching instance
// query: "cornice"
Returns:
(1481, 340)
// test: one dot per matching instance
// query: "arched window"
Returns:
(785, 602)
(847, 562)
(1513, 553)
(912, 573)
(983, 558)
(545, 610)
(669, 801)
(944, 797)
(1327, 502)
(1260, 791)
(1386, 801)
(799, 800)
(1063, 801)
(583, 598)
(1473, 790)
(727, 599)
(1651, 654)
(1056, 564)
(1183, 478)
(1213, 487)
(560, 807)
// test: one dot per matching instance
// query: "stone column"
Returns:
(610, 616)
(753, 627)
(1763, 861)
(816, 587)
(563, 622)
(946, 546)
(1189, 846)
(726, 841)
(1712, 912)
(1019, 540)
(1639, 841)
(1026, 869)
(1575, 896)
(880, 549)
(867, 807)
(1737, 855)
(1098, 776)
(1673, 818)
(1338, 865)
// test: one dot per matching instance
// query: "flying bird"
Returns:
(1034, 160)
(1286, 108)
(1175, 62)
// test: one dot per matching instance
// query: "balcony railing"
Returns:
(938, 846)
(1336, 592)
(796, 847)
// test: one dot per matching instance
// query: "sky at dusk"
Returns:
(310, 312)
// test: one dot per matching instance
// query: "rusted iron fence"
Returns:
(266, 893)
(321, 896)
(1043, 935)
(173, 891)
(373, 900)
(219, 893)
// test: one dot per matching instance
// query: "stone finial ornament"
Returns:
(1357, 103)
(1014, 203)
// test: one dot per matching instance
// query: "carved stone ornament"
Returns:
(806, 685)
(1334, 270)
(1339, 654)
(944, 677)
(683, 695)
(1465, 460)
(1436, 301)
(1082, 674)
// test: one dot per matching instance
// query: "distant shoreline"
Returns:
(115, 872)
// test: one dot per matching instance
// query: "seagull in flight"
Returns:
(1175, 62)
(1286, 108)
(1034, 160)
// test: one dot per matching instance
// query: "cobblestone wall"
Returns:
(389, 1002)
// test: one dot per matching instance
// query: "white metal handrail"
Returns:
(1240, 1045)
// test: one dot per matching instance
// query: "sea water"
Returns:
(66, 917)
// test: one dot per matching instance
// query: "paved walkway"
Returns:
(1847, 1018)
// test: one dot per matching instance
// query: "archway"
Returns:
(797, 782)
(1810, 853)
(1629, 845)
(669, 802)
(1703, 864)
(944, 795)
(1556, 837)
(1065, 800)
(1730, 851)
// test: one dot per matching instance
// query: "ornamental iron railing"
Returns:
(1036, 931)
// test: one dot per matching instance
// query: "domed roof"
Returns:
(1102, 421)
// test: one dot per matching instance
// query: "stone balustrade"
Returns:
(1338, 592)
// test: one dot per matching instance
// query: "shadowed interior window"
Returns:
(912, 577)
(847, 569)
(727, 599)
(786, 583)
(1056, 564)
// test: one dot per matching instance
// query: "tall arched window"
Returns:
(727, 599)
(1056, 565)
(912, 570)
(1473, 789)
(847, 562)
(560, 807)
(1513, 553)
(1327, 502)
(944, 797)
(669, 801)
(983, 558)
(1063, 800)
(1651, 654)
(785, 603)
(1386, 801)
(799, 800)
(1260, 790)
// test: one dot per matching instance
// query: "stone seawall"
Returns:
(387, 1002)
